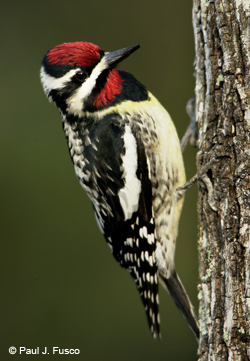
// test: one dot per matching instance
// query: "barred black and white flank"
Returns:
(127, 156)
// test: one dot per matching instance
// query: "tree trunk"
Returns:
(222, 41)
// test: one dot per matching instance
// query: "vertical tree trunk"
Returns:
(222, 40)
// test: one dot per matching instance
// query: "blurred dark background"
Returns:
(60, 285)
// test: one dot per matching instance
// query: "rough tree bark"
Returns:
(222, 40)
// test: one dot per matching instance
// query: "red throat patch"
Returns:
(77, 53)
(112, 88)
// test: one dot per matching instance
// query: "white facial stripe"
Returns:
(49, 82)
(129, 195)
(76, 101)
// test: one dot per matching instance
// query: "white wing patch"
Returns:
(129, 195)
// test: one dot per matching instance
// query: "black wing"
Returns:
(127, 225)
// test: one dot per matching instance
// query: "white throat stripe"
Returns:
(76, 101)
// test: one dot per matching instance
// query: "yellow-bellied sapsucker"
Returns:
(127, 156)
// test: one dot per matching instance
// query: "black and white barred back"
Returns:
(127, 156)
(104, 154)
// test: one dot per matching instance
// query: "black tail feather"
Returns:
(181, 299)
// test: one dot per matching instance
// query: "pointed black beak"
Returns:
(117, 56)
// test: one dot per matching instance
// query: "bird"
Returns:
(126, 154)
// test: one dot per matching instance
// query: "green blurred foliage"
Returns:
(60, 284)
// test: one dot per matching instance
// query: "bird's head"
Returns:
(80, 76)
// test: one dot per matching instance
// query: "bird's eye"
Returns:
(81, 76)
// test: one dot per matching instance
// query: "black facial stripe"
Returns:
(58, 71)
(100, 82)
(132, 90)
(60, 95)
